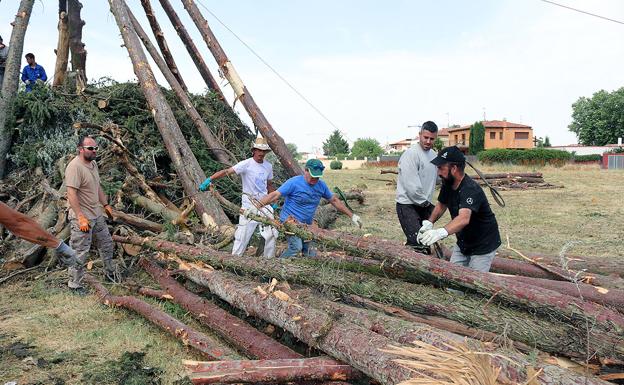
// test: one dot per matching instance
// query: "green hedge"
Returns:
(588, 158)
(535, 156)
(335, 165)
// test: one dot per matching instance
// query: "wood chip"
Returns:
(281, 295)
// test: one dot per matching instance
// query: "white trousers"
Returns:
(246, 228)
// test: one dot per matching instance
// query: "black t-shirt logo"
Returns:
(469, 201)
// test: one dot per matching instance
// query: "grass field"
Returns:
(77, 335)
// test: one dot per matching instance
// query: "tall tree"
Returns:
(76, 46)
(599, 120)
(11, 78)
(547, 141)
(275, 141)
(477, 138)
(62, 47)
(335, 144)
(182, 158)
(366, 147)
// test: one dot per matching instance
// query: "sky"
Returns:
(378, 69)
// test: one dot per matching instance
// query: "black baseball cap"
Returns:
(450, 154)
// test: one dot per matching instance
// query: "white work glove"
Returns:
(432, 236)
(27, 82)
(253, 210)
(426, 226)
(356, 220)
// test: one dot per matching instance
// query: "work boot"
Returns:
(79, 291)
(75, 278)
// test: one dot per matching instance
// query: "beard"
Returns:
(90, 157)
(448, 181)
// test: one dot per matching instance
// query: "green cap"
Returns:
(315, 167)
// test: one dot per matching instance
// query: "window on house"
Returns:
(455, 138)
(463, 138)
(521, 135)
(500, 135)
(492, 135)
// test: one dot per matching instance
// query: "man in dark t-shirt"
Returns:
(473, 221)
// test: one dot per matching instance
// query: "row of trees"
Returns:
(336, 144)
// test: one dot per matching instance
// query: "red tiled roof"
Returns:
(494, 124)
(443, 132)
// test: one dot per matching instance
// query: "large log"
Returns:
(183, 159)
(275, 141)
(237, 332)
(337, 336)
(197, 58)
(162, 43)
(551, 335)
(11, 79)
(76, 46)
(187, 335)
(215, 146)
(269, 371)
(62, 47)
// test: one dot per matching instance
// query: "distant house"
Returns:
(401, 145)
(443, 134)
(498, 134)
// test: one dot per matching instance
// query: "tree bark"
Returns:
(262, 124)
(139, 223)
(554, 335)
(188, 336)
(192, 50)
(269, 371)
(62, 48)
(183, 159)
(216, 147)
(237, 332)
(76, 46)
(162, 43)
(11, 79)
(337, 336)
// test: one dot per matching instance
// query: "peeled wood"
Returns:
(216, 147)
(11, 79)
(197, 58)
(162, 43)
(187, 168)
(549, 335)
(187, 335)
(237, 332)
(269, 371)
(76, 46)
(509, 175)
(139, 223)
(62, 49)
(275, 141)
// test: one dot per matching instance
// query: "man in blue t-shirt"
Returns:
(302, 195)
(33, 72)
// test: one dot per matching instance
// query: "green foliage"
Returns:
(335, 144)
(587, 158)
(438, 144)
(617, 150)
(536, 156)
(129, 369)
(335, 165)
(477, 138)
(293, 150)
(368, 147)
(599, 120)
(547, 141)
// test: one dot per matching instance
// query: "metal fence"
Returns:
(615, 162)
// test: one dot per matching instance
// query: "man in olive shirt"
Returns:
(472, 221)
(87, 203)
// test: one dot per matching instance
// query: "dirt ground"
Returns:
(49, 336)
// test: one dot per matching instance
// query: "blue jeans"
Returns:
(297, 245)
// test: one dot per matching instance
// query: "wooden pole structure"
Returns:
(11, 78)
(220, 153)
(183, 159)
(162, 43)
(192, 50)
(225, 65)
(62, 47)
(76, 46)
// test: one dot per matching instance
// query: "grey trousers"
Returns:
(81, 242)
(480, 262)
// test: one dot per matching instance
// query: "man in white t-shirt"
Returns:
(257, 178)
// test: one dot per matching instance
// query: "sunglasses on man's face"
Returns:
(90, 148)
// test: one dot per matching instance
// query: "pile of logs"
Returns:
(508, 180)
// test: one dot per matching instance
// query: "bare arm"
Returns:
(270, 198)
(459, 222)
(340, 206)
(270, 187)
(102, 197)
(221, 173)
(74, 203)
(438, 211)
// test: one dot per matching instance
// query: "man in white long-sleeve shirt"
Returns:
(416, 184)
